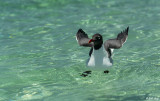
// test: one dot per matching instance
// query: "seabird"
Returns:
(101, 52)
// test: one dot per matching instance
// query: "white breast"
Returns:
(99, 59)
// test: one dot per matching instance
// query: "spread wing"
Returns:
(123, 35)
(117, 42)
(82, 39)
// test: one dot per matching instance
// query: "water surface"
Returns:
(40, 59)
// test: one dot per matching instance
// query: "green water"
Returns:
(40, 59)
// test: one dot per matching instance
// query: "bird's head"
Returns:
(97, 40)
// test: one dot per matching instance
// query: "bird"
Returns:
(100, 54)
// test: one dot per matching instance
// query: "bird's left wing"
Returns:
(117, 42)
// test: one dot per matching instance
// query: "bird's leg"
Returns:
(109, 52)
(90, 52)
(87, 72)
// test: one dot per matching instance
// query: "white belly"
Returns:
(99, 59)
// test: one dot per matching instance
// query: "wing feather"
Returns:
(82, 39)
(117, 42)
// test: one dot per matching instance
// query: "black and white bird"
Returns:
(101, 52)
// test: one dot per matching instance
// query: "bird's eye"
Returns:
(98, 38)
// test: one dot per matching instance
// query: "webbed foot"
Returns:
(106, 71)
(86, 73)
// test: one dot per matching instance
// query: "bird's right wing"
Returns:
(82, 39)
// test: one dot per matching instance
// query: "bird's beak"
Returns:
(90, 41)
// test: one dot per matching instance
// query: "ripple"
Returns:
(33, 92)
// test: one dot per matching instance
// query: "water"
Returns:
(40, 59)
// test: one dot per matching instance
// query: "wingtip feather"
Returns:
(127, 28)
(80, 30)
